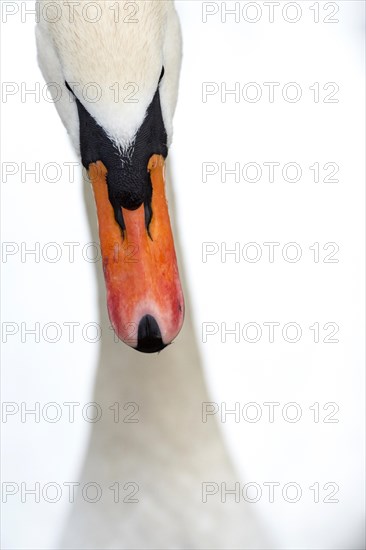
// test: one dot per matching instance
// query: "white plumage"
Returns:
(170, 452)
(114, 63)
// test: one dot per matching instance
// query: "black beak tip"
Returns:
(149, 338)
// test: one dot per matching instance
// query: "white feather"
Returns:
(113, 64)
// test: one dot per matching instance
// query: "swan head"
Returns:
(122, 131)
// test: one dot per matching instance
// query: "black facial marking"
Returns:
(128, 180)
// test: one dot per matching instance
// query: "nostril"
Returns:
(149, 338)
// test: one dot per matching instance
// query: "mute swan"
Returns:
(170, 452)
(123, 142)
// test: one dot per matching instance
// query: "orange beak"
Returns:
(144, 293)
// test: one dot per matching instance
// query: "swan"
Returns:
(169, 453)
(123, 143)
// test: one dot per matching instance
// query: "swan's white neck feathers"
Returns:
(119, 63)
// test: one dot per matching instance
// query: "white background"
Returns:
(229, 292)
